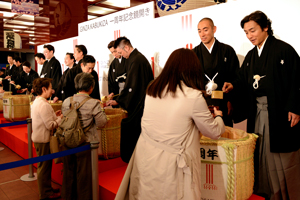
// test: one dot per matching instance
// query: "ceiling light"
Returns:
(13, 26)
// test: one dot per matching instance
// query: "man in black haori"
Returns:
(270, 76)
(220, 64)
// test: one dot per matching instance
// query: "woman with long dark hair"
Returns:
(166, 162)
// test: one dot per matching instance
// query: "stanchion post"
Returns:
(29, 130)
(31, 176)
(95, 179)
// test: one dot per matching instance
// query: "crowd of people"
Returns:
(160, 137)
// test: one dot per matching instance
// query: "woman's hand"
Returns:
(58, 113)
(55, 99)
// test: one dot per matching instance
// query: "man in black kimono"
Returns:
(10, 61)
(219, 63)
(270, 76)
(8, 73)
(15, 72)
(70, 63)
(26, 78)
(87, 65)
(117, 71)
(52, 67)
(132, 97)
(40, 58)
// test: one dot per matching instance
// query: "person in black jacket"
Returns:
(139, 74)
(51, 68)
(40, 58)
(8, 73)
(70, 63)
(117, 71)
(220, 64)
(87, 65)
(26, 78)
(270, 78)
(15, 72)
(132, 97)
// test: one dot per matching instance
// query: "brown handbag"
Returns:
(55, 147)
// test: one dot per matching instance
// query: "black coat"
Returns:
(224, 61)
(59, 90)
(132, 97)
(25, 80)
(52, 69)
(116, 69)
(14, 72)
(283, 92)
(139, 74)
(69, 85)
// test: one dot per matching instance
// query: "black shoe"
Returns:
(53, 196)
(57, 190)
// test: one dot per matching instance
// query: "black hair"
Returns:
(71, 56)
(88, 59)
(17, 58)
(26, 64)
(81, 48)
(40, 55)
(261, 19)
(111, 44)
(49, 47)
(122, 41)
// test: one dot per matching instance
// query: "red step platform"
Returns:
(111, 171)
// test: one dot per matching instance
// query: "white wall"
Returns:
(60, 49)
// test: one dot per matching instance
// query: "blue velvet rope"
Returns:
(43, 158)
(13, 124)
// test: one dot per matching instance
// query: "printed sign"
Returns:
(29, 7)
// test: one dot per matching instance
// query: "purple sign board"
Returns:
(29, 7)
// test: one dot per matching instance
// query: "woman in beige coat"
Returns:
(166, 162)
(44, 120)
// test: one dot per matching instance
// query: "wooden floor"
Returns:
(11, 187)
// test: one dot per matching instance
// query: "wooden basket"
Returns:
(109, 135)
(16, 107)
(2, 95)
(56, 106)
(227, 168)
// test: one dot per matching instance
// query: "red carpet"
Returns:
(110, 171)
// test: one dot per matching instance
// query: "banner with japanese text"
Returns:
(29, 7)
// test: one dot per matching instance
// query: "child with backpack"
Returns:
(44, 120)
(77, 169)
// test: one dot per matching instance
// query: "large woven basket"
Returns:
(110, 134)
(227, 169)
(16, 107)
(2, 95)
